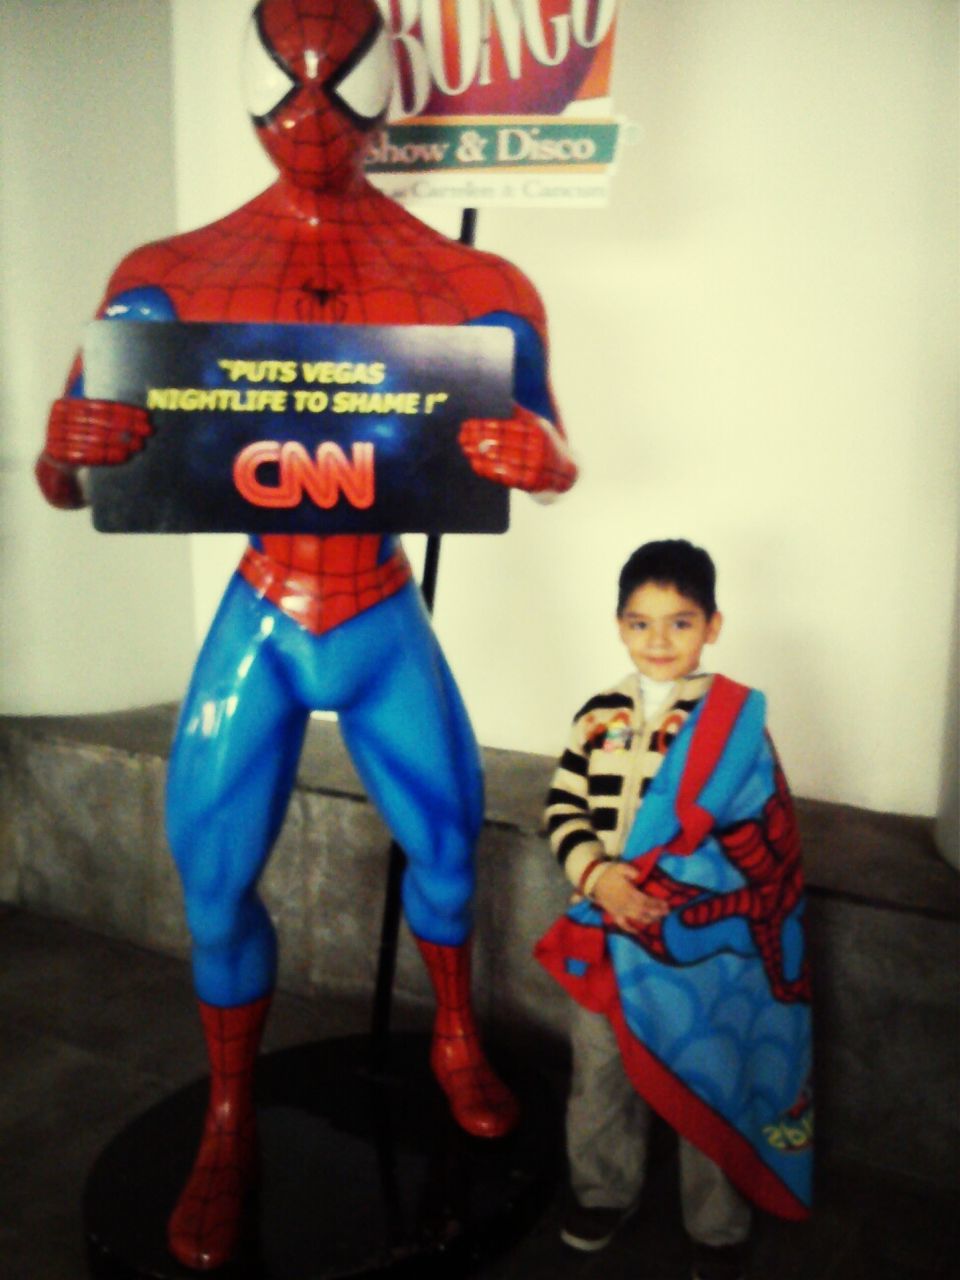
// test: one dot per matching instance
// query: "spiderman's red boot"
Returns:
(205, 1225)
(480, 1102)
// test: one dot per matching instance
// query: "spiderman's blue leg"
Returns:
(232, 769)
(411, 741)
(408, 734)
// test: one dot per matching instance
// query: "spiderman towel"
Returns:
(711, 1005)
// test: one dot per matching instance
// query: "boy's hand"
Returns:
(629, 908)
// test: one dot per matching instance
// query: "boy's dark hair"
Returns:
(673, 562)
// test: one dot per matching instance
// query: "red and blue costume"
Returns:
(314, 622)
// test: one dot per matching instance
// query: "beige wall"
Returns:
(86, 622)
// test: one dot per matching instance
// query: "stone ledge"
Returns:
(887, 861)
(81, 837)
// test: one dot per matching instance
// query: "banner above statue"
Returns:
(267, 428)
(499, 103)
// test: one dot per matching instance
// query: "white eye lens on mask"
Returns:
(364, 88)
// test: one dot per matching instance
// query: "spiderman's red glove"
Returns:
(524, 452)
(86, 433)
(95, 433)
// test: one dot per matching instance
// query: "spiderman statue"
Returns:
(311, 622)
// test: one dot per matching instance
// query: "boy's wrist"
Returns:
(591, 875)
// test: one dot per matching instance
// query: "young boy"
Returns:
(683, 948)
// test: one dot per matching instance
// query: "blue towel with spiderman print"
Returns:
(711, 1004)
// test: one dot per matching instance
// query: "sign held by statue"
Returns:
(300, 428)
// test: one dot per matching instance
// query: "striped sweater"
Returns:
(612, 755)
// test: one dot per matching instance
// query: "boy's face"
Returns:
(665, 632)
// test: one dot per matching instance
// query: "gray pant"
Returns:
(607, 1127)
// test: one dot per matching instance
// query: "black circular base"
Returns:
(363, 1172)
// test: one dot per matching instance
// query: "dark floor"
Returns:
(95, 1031)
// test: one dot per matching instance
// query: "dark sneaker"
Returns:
(591, 1229)
(719, 1262)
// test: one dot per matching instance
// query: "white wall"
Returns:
(87, 622)
(755, 347)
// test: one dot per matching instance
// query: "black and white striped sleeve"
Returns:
(568, 820)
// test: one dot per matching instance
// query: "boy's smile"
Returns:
(665, 632)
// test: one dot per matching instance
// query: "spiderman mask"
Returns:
(318, 75)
